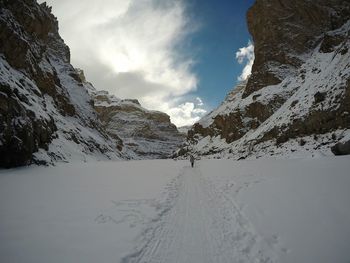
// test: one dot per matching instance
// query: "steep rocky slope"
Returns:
(284, 31)
(46, 113)
(297, 98)
(149, 134)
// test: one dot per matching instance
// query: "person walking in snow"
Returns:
(192, 160)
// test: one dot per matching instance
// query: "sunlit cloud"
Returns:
(246, 55)
(186, 113)
(132, 48)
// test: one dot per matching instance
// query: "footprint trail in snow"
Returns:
(200, 224)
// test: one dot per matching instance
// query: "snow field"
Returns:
(78, 212)
(203, 225)
(300, 207)
(164, 211)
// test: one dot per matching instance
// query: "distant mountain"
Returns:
(148, 134)
(297, 99)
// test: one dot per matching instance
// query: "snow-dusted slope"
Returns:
(222, 211)
(46, 113)
(149, 134)
(307, 111)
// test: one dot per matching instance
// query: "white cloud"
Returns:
(132, 49)
(200, 102)
(186, 113)
(246, 54)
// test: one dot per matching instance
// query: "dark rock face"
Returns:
(21, 132)
(225, 126)
(330, 42)
(341, 148)
(319, 97)
(22, 39)
(282, 30)
(38, 88)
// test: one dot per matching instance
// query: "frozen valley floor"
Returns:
(201, 224)
(165, 211)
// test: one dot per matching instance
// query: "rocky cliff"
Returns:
(297, 98)
(284, 31)
(46, 113)
(148, 134)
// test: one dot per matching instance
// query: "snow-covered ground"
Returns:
(164, 211)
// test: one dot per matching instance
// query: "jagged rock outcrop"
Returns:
(341, 148)
(149, 134)
(298, 95)
(46, 113)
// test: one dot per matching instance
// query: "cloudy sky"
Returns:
(176, 56)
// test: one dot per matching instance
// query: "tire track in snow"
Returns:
(200, 224)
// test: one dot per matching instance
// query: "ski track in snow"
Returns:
(198, 223)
